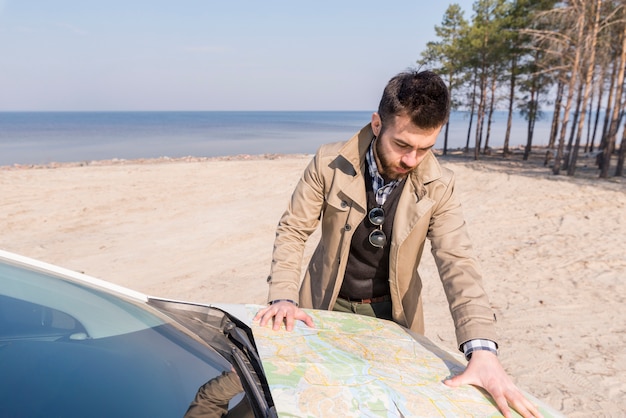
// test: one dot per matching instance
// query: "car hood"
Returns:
(353, 365)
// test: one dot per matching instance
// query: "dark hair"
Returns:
(421, 95)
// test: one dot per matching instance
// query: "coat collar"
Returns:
(355, 149)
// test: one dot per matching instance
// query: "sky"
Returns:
(133, 55)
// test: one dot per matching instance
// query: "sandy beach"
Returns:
(551, 249)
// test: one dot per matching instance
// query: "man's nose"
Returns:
(410, 159)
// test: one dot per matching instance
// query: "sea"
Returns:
(38, 138)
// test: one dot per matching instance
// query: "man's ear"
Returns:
(376, 123)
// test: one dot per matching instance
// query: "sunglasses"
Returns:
(377, 237)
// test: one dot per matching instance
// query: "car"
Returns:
(75, 346)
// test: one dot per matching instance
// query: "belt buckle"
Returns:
(373, 300)
(368, 300)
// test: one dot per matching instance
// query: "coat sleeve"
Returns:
(296, 225)
(213, 397)
(458, 269)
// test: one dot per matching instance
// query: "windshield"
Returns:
(66, 304)
(70, 349)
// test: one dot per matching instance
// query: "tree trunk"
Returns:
(574, 130)
(445, 138)
(619, 170)
(556, 116)
(445, 135)
(529, 138)
(472, 108)
(558, 160)
(612, 134)
(555, 121)
(598, 109)
(509, 120)
(490, 116)
(591, 63)
(607, 114)
(589, 112)
(532, 117)
(480, 115)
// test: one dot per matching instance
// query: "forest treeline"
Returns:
(527, 55)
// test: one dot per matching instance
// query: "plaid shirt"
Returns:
(382, 191)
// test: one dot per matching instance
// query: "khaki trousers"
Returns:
(378, 309)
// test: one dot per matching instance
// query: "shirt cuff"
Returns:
(478, 344)
(271, 302)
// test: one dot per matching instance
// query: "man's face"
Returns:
(401, 146)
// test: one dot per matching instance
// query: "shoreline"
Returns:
(158, 160)
(513, 163)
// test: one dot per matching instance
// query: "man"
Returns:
(378, 197)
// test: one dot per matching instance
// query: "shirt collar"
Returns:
(381, 190)
(378, 180)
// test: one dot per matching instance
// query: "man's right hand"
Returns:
(283, 312)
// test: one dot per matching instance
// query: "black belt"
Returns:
(378, 299)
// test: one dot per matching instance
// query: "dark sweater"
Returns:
(367, 272)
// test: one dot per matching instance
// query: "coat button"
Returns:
(347, 227)
(344, 204)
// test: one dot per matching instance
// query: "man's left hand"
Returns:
(484, 370)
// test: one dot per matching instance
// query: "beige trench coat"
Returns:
(332, 190)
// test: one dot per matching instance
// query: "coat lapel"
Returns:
(414, 203)
(353, 155)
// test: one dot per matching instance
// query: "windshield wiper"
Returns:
(229, 337)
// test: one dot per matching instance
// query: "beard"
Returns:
(388, 169)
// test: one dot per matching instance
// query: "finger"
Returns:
(503, 405)
(260, 314)
(304, 317)
(453, 382)
(278, 320)
(265, 316)
(457, 381)
(522, 410)
(525, 408)
(289, 321)
(533, 409)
